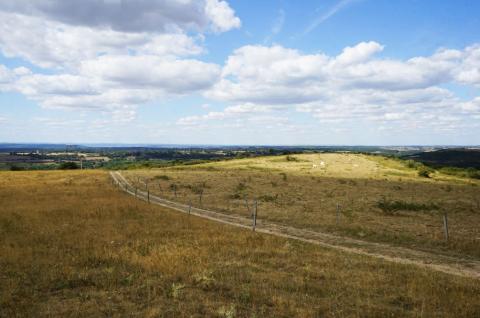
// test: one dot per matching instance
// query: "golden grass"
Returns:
(73, 245)
(297, 194)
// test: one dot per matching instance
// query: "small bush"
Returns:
(390, 206)
(424, 172)
(413, 164)
(291, 158)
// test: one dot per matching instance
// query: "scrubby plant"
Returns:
(291, 158)
(393, 206)
(425, 172)
(412, 164)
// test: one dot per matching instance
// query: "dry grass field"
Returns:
(73, 245)
(380, 199)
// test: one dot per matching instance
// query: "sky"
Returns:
(324, 72)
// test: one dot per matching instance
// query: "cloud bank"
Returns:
(114, 56)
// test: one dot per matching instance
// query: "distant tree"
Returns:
(16, 168)
(68, 165)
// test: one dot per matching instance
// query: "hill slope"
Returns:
(73, 245)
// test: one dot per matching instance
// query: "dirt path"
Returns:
(441, 263)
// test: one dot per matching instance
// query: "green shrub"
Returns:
(410, 164)
(291, 158)
(392, 206)
(413, 164)
(424, 172)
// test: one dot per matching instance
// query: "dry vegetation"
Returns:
(72, 245)
(380, 199)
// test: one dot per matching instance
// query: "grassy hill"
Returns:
(380, 199)
(72, 244)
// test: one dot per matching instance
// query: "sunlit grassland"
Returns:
(304, 190)
(73, 245)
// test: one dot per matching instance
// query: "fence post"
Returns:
(445, 225)
(200, 197)
(338, 214)
(135, 192)
(254, 215)
(190, 207)
(148, 196)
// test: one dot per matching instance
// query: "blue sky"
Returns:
(240, 72)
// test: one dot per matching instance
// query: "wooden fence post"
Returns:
(148, 196)
(190, 207)
(135, 192)
(445, 225)
(254, 215)
(200, 197)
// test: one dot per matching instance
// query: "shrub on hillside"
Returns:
(392, 206)
(291, 158)
(424, 172)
